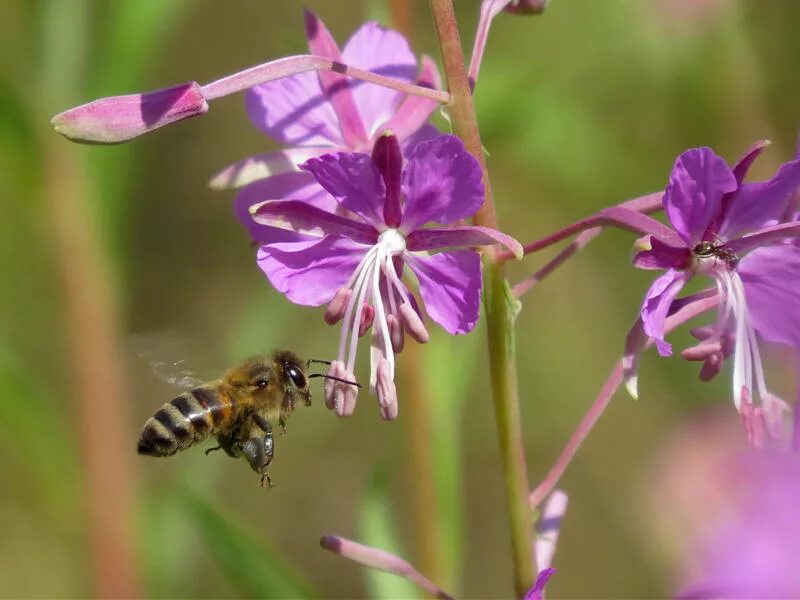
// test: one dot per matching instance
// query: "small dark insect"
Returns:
(706, 249)
(240, 410)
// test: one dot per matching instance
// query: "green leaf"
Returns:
(254, 569)
(378, 531)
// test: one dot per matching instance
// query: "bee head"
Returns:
(293, 369)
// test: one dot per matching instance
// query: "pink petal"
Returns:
(384, 52)
(301, 217)
(311, 272)
(756, 205)
(432, 238)
(696, 186)
(337, 87)
(354, 181)
(262, 166)
(296, 185)
(656, 305)
(441, 183)
(414, 111)
(294, 111)
(450, 286)
(771, 276)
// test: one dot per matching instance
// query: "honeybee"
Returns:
(240, 410)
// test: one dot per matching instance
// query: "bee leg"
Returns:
(282, 423)
(262, 423)
(210, 450)
(259, 451)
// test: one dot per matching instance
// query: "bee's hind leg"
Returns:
(214, 449)
(259, 451)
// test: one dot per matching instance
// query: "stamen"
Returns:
(413, 324)
(367, 317)
(337, 307)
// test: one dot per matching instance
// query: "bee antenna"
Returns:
(316, 360)
(339, 379)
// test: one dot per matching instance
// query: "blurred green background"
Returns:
(104, 247)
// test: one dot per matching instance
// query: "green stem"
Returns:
(499, 309)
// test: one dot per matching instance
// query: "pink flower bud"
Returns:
(120, 118)
(527, 7)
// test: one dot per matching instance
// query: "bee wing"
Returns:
(174, 358)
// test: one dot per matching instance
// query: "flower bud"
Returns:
(121, 118)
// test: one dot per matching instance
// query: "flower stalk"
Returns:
(499, 311)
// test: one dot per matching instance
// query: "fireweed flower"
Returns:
(355, 263)
(319, 113)
(712, 210)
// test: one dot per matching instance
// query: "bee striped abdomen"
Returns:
(185, 420)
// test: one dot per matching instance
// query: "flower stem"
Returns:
(628, 215)
(499, 311)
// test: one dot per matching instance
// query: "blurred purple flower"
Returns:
(355, 263)
(756, 275)
(753, 553)
(319, 113)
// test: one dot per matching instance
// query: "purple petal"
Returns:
(301, 217)
(452, 237)
(337, 87)
(696, 185)
(662, 256)
(294, 111)
(656, 305)
(414, 111)
(384, 52)
(765, 237)
(537, 591)
(756, 205)
(770, 276)
(450, 286)
(742, 166)
(425, 133)
(262, 166)
(354, 181)
(296, 185)
(311, 272)
(441, 183)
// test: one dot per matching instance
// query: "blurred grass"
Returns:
(582, 107)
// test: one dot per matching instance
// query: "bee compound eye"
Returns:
(296, 375)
